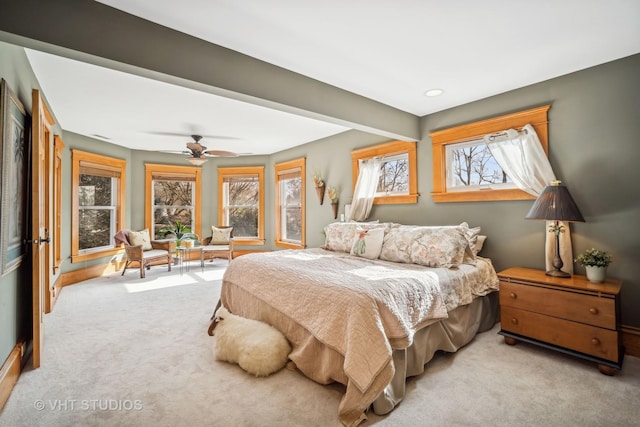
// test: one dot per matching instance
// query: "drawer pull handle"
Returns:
(513, 295)
(514, 321)
(593, 310)
(595, 341)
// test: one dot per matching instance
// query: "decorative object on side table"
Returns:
(595, 263)
(556, 204)
(319, 183)
(332, 192)
(179, 230)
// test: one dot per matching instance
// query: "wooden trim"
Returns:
(82, 274)
(55, 291)
(389, 149)
(237, 253)
(10, 371)
(631, 340)
(58, 146)
(536, 117)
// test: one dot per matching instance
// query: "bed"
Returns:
(371, 316)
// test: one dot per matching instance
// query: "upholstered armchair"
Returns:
(219, 244)
(141, 249)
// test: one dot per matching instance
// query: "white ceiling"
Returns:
(391, 51)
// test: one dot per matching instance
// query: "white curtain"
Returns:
(521, 156)
(365, 190)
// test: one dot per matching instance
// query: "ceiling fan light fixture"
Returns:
(197, 161)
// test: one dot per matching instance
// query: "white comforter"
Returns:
(361, 308)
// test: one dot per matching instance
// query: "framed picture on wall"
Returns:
(15, 127)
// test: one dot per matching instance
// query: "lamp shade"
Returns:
(197, 161)
(555, 204)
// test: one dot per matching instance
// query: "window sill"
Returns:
(288, 245)
(95, 255)
(396, 200)
(481, 196)
(247, 241)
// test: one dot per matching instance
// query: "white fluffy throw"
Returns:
(256, 347)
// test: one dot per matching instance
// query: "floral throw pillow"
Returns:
(439, 247)
(220, 236)
(140, 238)
(368, 243)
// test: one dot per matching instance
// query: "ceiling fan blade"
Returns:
(188, 134)
(196, 147)
(221, 153)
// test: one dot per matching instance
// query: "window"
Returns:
(97, 204)
(472, 167)
(241, 203)
(463, 168)
(290, 203)
(172, 194)
(398, 176)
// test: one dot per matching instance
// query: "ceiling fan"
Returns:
(198, 153)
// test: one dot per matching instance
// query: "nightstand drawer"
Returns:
(577, 307)
(601, 343)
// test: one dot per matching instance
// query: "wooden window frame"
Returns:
(58, 146)
(293, 166)
(110, 163)
(193, 172)
(243, 171)
(389, 149)
(536, 117)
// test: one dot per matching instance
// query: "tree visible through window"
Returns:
(471, 165)
(394, 175)
(97, 211)
(172, 194)
(173, 201)
(241, 202)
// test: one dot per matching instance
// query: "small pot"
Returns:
(596, 274)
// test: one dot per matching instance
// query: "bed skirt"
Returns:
(447, 335)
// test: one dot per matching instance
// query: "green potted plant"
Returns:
(595, 263)
(179, 230)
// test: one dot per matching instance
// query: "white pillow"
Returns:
(368, 243)
(220, 236)
(140, 238)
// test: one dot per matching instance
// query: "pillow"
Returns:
(220, 236)
(396, 246)
(368, 243)
(140, 238)
(439, 247)
(339, 236)
(480, 243)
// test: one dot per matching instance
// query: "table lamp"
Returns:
(556, 204)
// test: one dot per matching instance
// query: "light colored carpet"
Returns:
(135, 352)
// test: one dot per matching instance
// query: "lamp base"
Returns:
(557, 273)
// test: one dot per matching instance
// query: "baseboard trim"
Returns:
(631, 340)
(81, 274)
(10, 372)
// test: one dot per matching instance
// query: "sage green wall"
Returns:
(15, 287)
(594, 123)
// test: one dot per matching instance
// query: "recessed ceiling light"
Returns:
(106, 138)
(434, 92)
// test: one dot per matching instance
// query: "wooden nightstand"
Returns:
(570, 315)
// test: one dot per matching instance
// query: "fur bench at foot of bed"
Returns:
(256, 347)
